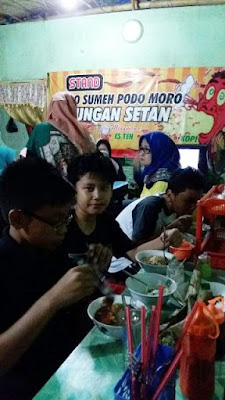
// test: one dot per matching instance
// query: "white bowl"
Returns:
(111, 330)
(137, 290)
(157, 269)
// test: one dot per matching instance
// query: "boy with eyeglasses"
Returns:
(37, 329)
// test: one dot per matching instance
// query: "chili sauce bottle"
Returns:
(197, 364)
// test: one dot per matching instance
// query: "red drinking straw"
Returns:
(186, 326)
(157, 320)
(130, 349)
(150, 336)
(143, 335)
(167, 375)
(156, 333)
(143, 354)
(129, 333)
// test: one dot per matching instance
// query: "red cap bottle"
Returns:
(197, 362)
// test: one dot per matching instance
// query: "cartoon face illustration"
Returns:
(212, 102)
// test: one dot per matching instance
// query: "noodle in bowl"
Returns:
(154, 260)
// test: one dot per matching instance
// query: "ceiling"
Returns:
(14, 11)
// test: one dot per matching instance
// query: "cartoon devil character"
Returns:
(212, 102)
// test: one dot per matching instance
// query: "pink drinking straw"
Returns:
(129, 333)
(143, 354)
(156, 333)
(177, 353)
(143, 335)
(167, 375)
(186, 326)
(157, 320)
(150, 336)
(130, 349)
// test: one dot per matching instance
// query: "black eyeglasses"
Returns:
(145, 150)
(57, 227)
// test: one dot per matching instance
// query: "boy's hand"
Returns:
(99, 255)
(173, 237)
(77, 283)
(182, 223)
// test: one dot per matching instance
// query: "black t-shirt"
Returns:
(26, 274)
(107, 232)
(149, 216)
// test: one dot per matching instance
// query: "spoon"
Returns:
(137, 279)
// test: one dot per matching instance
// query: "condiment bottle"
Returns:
(204, 265)
(197, 362)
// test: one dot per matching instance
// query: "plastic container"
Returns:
(197, 366)
(204, 265)
(184, 251)
(122, 390)
(210, 207)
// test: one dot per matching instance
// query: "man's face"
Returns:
(93, 194)
(185, 202)
(49, 234)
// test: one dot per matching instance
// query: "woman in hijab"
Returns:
(159, 156)
(62, 137)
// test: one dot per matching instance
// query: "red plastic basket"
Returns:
(209, 207)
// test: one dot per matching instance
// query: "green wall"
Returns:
(15, 140)
(181, 36)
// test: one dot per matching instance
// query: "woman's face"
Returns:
(145, 155)
(103, 148)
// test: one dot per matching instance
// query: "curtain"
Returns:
(25, 101)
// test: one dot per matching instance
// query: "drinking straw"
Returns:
(143, 335)
(168, 375)
(157, 320)
(177, 353)
(129, 332)
(186, 326)
(156, 333)
(143, 354)
(150, 336)
(130, 349)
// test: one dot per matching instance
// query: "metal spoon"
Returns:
(137, 279)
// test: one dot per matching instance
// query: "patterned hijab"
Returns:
(165, 158)
(62, 114)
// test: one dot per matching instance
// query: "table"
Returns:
(90, 372)
(94, 367)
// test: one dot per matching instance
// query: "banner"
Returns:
(120, 105)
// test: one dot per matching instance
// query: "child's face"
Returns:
(49, 231)
(93, 194)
